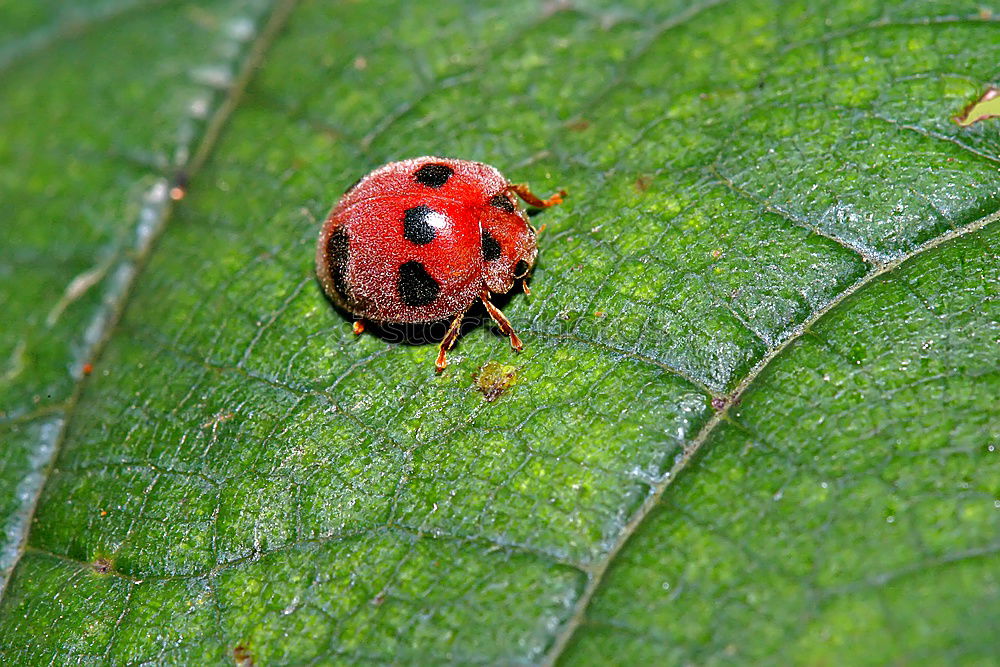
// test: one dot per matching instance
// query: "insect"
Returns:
(421, 240)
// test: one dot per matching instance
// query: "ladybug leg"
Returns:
(522, 191)
(448, 342)
(359, 327)
(501, 320)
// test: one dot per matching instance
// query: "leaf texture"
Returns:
(755, 417)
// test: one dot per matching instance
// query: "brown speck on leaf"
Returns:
(642, 183)
(718, 403)
(242, 655)
(378, 599)
(987, 106)
(578, 124)
(102, 565)
(493, 379)
(218, 419)
(179, 187)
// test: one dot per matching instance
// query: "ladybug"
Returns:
(421, 240)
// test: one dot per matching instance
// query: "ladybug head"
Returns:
(509, 248)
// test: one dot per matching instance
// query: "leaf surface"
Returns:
(756, 413)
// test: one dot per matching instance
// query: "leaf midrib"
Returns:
(252, 58)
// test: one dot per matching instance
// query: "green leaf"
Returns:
(848, 506)
(756, 416)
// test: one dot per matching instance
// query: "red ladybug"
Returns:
(420, 240)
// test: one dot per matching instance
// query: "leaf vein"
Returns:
(566, 633)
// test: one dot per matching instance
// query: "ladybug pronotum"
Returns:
(421, 240)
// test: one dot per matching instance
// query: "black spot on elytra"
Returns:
(491, 247)
(417, 224)
(502, 202)
(416, 286)
(521, 269)
(338, 250)
(433, 175)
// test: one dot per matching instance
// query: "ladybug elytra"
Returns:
(421, 240)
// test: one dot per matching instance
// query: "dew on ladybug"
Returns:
(421, 240)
